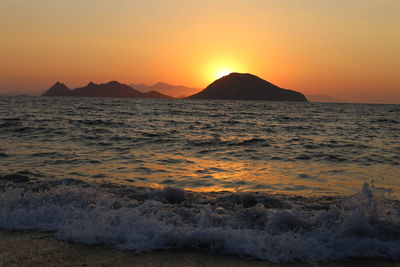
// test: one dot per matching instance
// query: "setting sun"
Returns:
(217, 68)
(222, 72)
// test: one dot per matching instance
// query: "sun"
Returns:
(222, 72)
(217, 68)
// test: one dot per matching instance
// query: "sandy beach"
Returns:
(29, 248)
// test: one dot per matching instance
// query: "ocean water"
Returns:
(275, 181)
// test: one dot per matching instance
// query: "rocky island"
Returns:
(110, 89)
(58, 89)
(244, 86)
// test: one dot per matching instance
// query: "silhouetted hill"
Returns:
(110, 89)
(240, 86)
(177, 91)
(155, 94)
(58, 89)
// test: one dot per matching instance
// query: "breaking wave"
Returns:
(277, 228)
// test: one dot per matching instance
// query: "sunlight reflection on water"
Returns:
(296, 148)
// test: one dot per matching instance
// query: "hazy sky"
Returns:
(345, 49)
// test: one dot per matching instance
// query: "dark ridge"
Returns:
(58, 89)
(110, 89)
(244, 86)
(176, 91)
(155, 94)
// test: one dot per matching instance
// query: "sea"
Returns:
(276, 181)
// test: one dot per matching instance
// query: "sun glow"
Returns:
(218, 67)
(222, 72)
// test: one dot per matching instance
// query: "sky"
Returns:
(348, 50)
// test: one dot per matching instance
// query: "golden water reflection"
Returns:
(204, 175)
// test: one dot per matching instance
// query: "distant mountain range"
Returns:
(110, 89)
(310, 98)
(245, 86)
(177, 91)
(235, 86)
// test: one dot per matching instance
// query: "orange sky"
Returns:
(345, 49)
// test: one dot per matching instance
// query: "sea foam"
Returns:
(275, 228)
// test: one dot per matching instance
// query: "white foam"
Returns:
(361, 225)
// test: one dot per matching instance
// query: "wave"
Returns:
(218, 140)
(270, 227)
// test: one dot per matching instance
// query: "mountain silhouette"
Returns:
(177, 91)
(58, 89)
(244, 86)
(155, 94)
(110, 89)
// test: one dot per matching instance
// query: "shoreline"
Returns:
(34, 248)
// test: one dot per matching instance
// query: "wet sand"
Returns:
(28, 248)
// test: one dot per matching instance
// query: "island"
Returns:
(245, 86)
(110, 89)
(58, 89)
